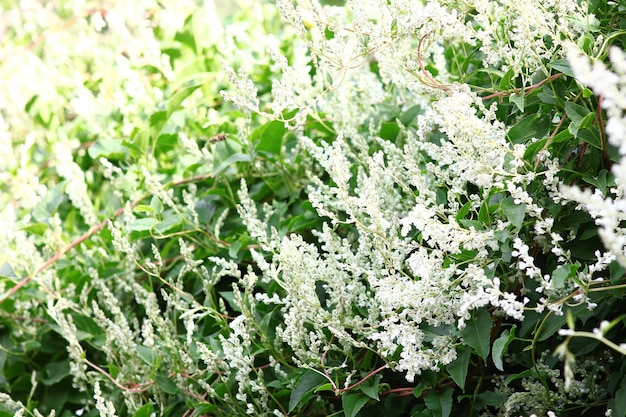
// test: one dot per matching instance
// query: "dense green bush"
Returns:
(369, 207)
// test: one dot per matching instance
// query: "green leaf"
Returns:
(166, 142)
(238, 157)
(483, 214)
(620, 400)
(458, 368)
(352, 403)
(38, 229)
(562, 65)
(505, 82)
(493, 399)
(176, 101)
(513, 212)
(149, 356)
(499, 345)
(234, 248)
(546, 95)
(270, 137)
(108, 148)
(226, 154)
(6, 271)
(440, 403)
(142, 208)
(591, 136)
(419, 389)
(389, 130)
(168, 223)
(156, 204)
(166, 384)
(305, 385)
(477, 333)
(229, 297)
(48, 205)
(553, 323)
(138, 142)
(55, 372)
(576, 114)
(324, 387)
(563, 272)
(533, 126)
(370, 387)
(408, 116)
(518, 100)
(145, 411)
(140, 225)
(617, 271)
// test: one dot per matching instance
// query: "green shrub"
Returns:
(301, 208)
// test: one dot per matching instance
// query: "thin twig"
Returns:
(87, 235)
(526, 90)
(58, 255)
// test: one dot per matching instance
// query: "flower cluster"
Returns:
(395, 202)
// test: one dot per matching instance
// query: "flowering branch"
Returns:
(342, 390)
(526, 90)
(95, 229)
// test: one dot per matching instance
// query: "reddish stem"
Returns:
(526, 90)
(87, 235)
(365, 378)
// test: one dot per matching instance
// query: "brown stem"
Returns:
(58, 255)
(87, 235)
(143, 388)
(607, 158)
(526, 90)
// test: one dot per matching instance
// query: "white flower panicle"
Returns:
(609, 211)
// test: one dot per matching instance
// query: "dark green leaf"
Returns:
(389, 130)
(513, 212)
(305, 385)
(149, 356)
(505, 82)
(55, 372)
(493, 399)
(408, 116)
(145, 411)
(576, 114)
(477, 332)
(270, 137)
(620, 400)
(166, 384)
(352, 403)
(458, 368)
(553, 323)
(591, 136)
(562, 65)
(370, 387)
(533, 126)
(499, 345)
(440, 403)
(560, 274)
(617, 271)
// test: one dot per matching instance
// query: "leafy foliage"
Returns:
(357, 208)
